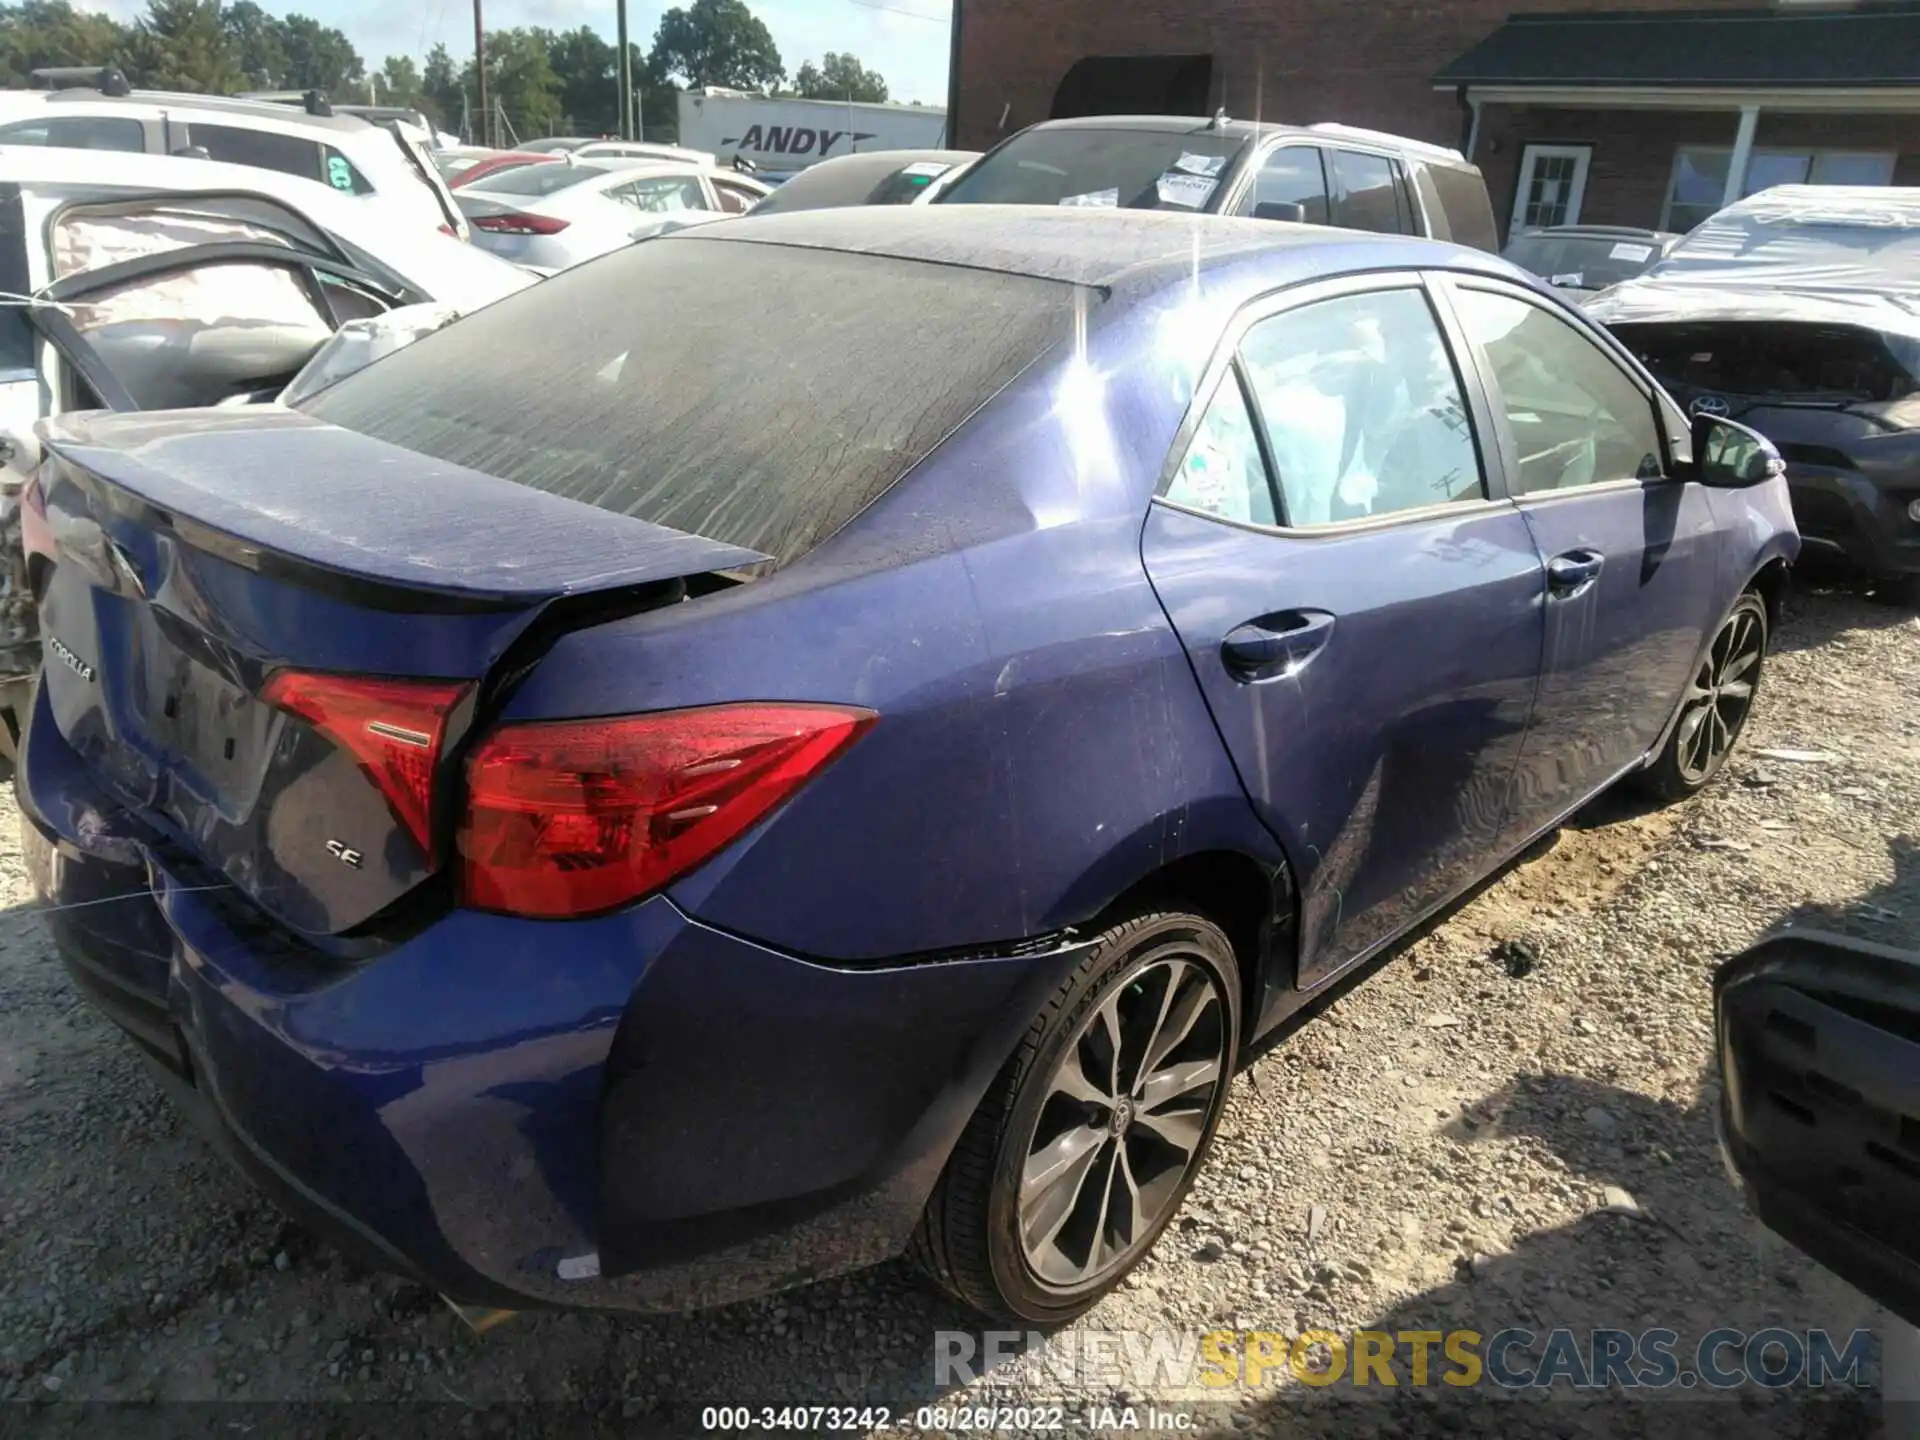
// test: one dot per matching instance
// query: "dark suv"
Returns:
(1319, 174)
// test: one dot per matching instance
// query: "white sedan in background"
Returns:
(145, 282)
(548, 217)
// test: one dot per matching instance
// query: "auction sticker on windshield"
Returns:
(1190, 191)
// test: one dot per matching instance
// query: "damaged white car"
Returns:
(140, 283)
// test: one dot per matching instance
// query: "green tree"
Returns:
(441, 86)
(319, 57)
(399, 84)
(52, 32)
(717, 42)
(181, 45)
(589, 90)
(839, 77)
(521, 84)
(659, 99)
(255, 37)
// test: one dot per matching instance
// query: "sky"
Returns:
(905, 40)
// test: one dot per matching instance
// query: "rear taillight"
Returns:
(519, 224)
(392, 727)
(573, 817)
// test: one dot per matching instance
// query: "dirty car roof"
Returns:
(1079, 247)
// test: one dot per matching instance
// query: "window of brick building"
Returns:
(1699, 183)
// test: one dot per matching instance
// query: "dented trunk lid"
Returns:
(197, 555)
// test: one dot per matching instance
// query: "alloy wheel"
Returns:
(1123, 1123)
(1716, 703)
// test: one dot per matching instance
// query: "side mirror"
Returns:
(1819, 1060)
(1291, 211)
(193, 152)
(1730, 456)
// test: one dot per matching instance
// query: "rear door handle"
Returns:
(1275, 645)
(1573, 572)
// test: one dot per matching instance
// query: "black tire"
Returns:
(1690, 760)
(1900, 590)
(970, 1238)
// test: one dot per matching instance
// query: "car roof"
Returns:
(288, 115)
(1098, 248)
(1256, 130)
(1597, 232)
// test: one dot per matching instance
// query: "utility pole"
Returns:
(480, 74)
(624, 73)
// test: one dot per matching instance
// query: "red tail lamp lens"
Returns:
(574, 817)
(394, 728)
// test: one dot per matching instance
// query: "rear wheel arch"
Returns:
(1255, 902)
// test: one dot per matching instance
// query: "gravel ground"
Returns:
(1434, 1150)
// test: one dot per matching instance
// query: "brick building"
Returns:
(1645, 113)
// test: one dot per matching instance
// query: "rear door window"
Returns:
(262, 149)
(1292, 175)
(1369, 193)
(78, 132)
(1223, 473)
(734, 199)
(1364, 411)
(661, 196)
(640, 385)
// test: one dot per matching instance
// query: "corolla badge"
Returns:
(67, 658)
(1715, 406)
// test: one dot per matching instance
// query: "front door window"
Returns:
(1553, 182)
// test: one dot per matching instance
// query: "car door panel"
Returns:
(1632, 556)
(1371, 676)
(1381, 760)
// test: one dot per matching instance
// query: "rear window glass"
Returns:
(638, 384)
(903, 187)
(1583, 262)
(537, 179)
(1100, 166)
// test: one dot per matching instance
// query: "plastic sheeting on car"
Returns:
(89, 239)
(1816, 253)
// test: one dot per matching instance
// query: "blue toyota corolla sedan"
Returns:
(831, 735)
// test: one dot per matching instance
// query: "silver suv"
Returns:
(1316, 174)
(95, 109)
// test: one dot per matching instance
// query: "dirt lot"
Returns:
(1433, 1151)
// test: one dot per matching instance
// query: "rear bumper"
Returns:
(631, 1112)
(1844, 516)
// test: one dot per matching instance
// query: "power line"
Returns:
(946, 19)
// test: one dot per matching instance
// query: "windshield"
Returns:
(1100, 166)
(535, 179)
(638, 385)
(1583, 262)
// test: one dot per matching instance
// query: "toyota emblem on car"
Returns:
(1714, 405)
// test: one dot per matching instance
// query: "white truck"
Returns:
(784, 136)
